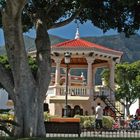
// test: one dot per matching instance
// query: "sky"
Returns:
(68, 31)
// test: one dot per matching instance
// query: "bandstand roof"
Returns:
(80, 49)
(83, 44)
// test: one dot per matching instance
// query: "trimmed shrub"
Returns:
(6, 116)
(87, 124)
(108, 122)
(47, 116)
(89, 121)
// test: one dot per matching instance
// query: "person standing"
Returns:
(99, 117)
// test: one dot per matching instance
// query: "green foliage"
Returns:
(2, 4)
(105, 76)
(89, 121)
(4, 62)
(47, 116)
(86, 121)
(33, 65)
(7, 122)
(127, 78)
(87, 124)
(118, 15)
(82, 118)
(108, 121)
(122, 16)
(6, 116)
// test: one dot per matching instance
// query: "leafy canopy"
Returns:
(120, 15)
(4, 62)
(127, 78)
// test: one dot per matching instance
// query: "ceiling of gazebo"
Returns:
(79, 62)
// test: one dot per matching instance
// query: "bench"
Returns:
(63, 125)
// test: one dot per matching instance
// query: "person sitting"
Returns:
(138, 113)
(133, 124)
(116, 124)
(128, 121)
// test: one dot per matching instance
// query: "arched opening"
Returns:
(46, 107)
(78, 110)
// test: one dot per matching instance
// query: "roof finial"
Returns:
(77, 35)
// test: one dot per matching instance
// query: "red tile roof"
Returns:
(80, 43)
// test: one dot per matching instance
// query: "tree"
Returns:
(127, 78)
(26, 90)
(105, 75)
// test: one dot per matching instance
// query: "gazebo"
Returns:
(87, 55)
(82, 97)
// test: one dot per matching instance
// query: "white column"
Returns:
(111, 79)
(112, 73)
(90, 60)
(94, 73)
(57, 71)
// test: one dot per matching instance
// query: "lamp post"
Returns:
(67, 61)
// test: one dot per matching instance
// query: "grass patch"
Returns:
(7, 138)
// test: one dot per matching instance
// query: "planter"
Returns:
(64, 120)
(63, 125)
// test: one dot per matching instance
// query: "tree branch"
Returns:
(6, 81)
(43, 57)
(67, 21)
(17, 5)
(122, 102)
(131, 102)
(55, 2)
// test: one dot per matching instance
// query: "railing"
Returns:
(103, 91)
(51, 91)
(112, 134)
(74, 90)
(81, 91)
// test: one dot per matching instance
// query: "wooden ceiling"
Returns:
(79, 62)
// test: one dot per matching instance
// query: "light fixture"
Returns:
(67, 61)
(67, 57)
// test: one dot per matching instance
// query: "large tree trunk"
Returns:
(29, 114)
(43, 58)
(28, 93)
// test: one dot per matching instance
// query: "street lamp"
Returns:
(67, 61)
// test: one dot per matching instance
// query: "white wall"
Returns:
(3, 99)
(134, 107)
